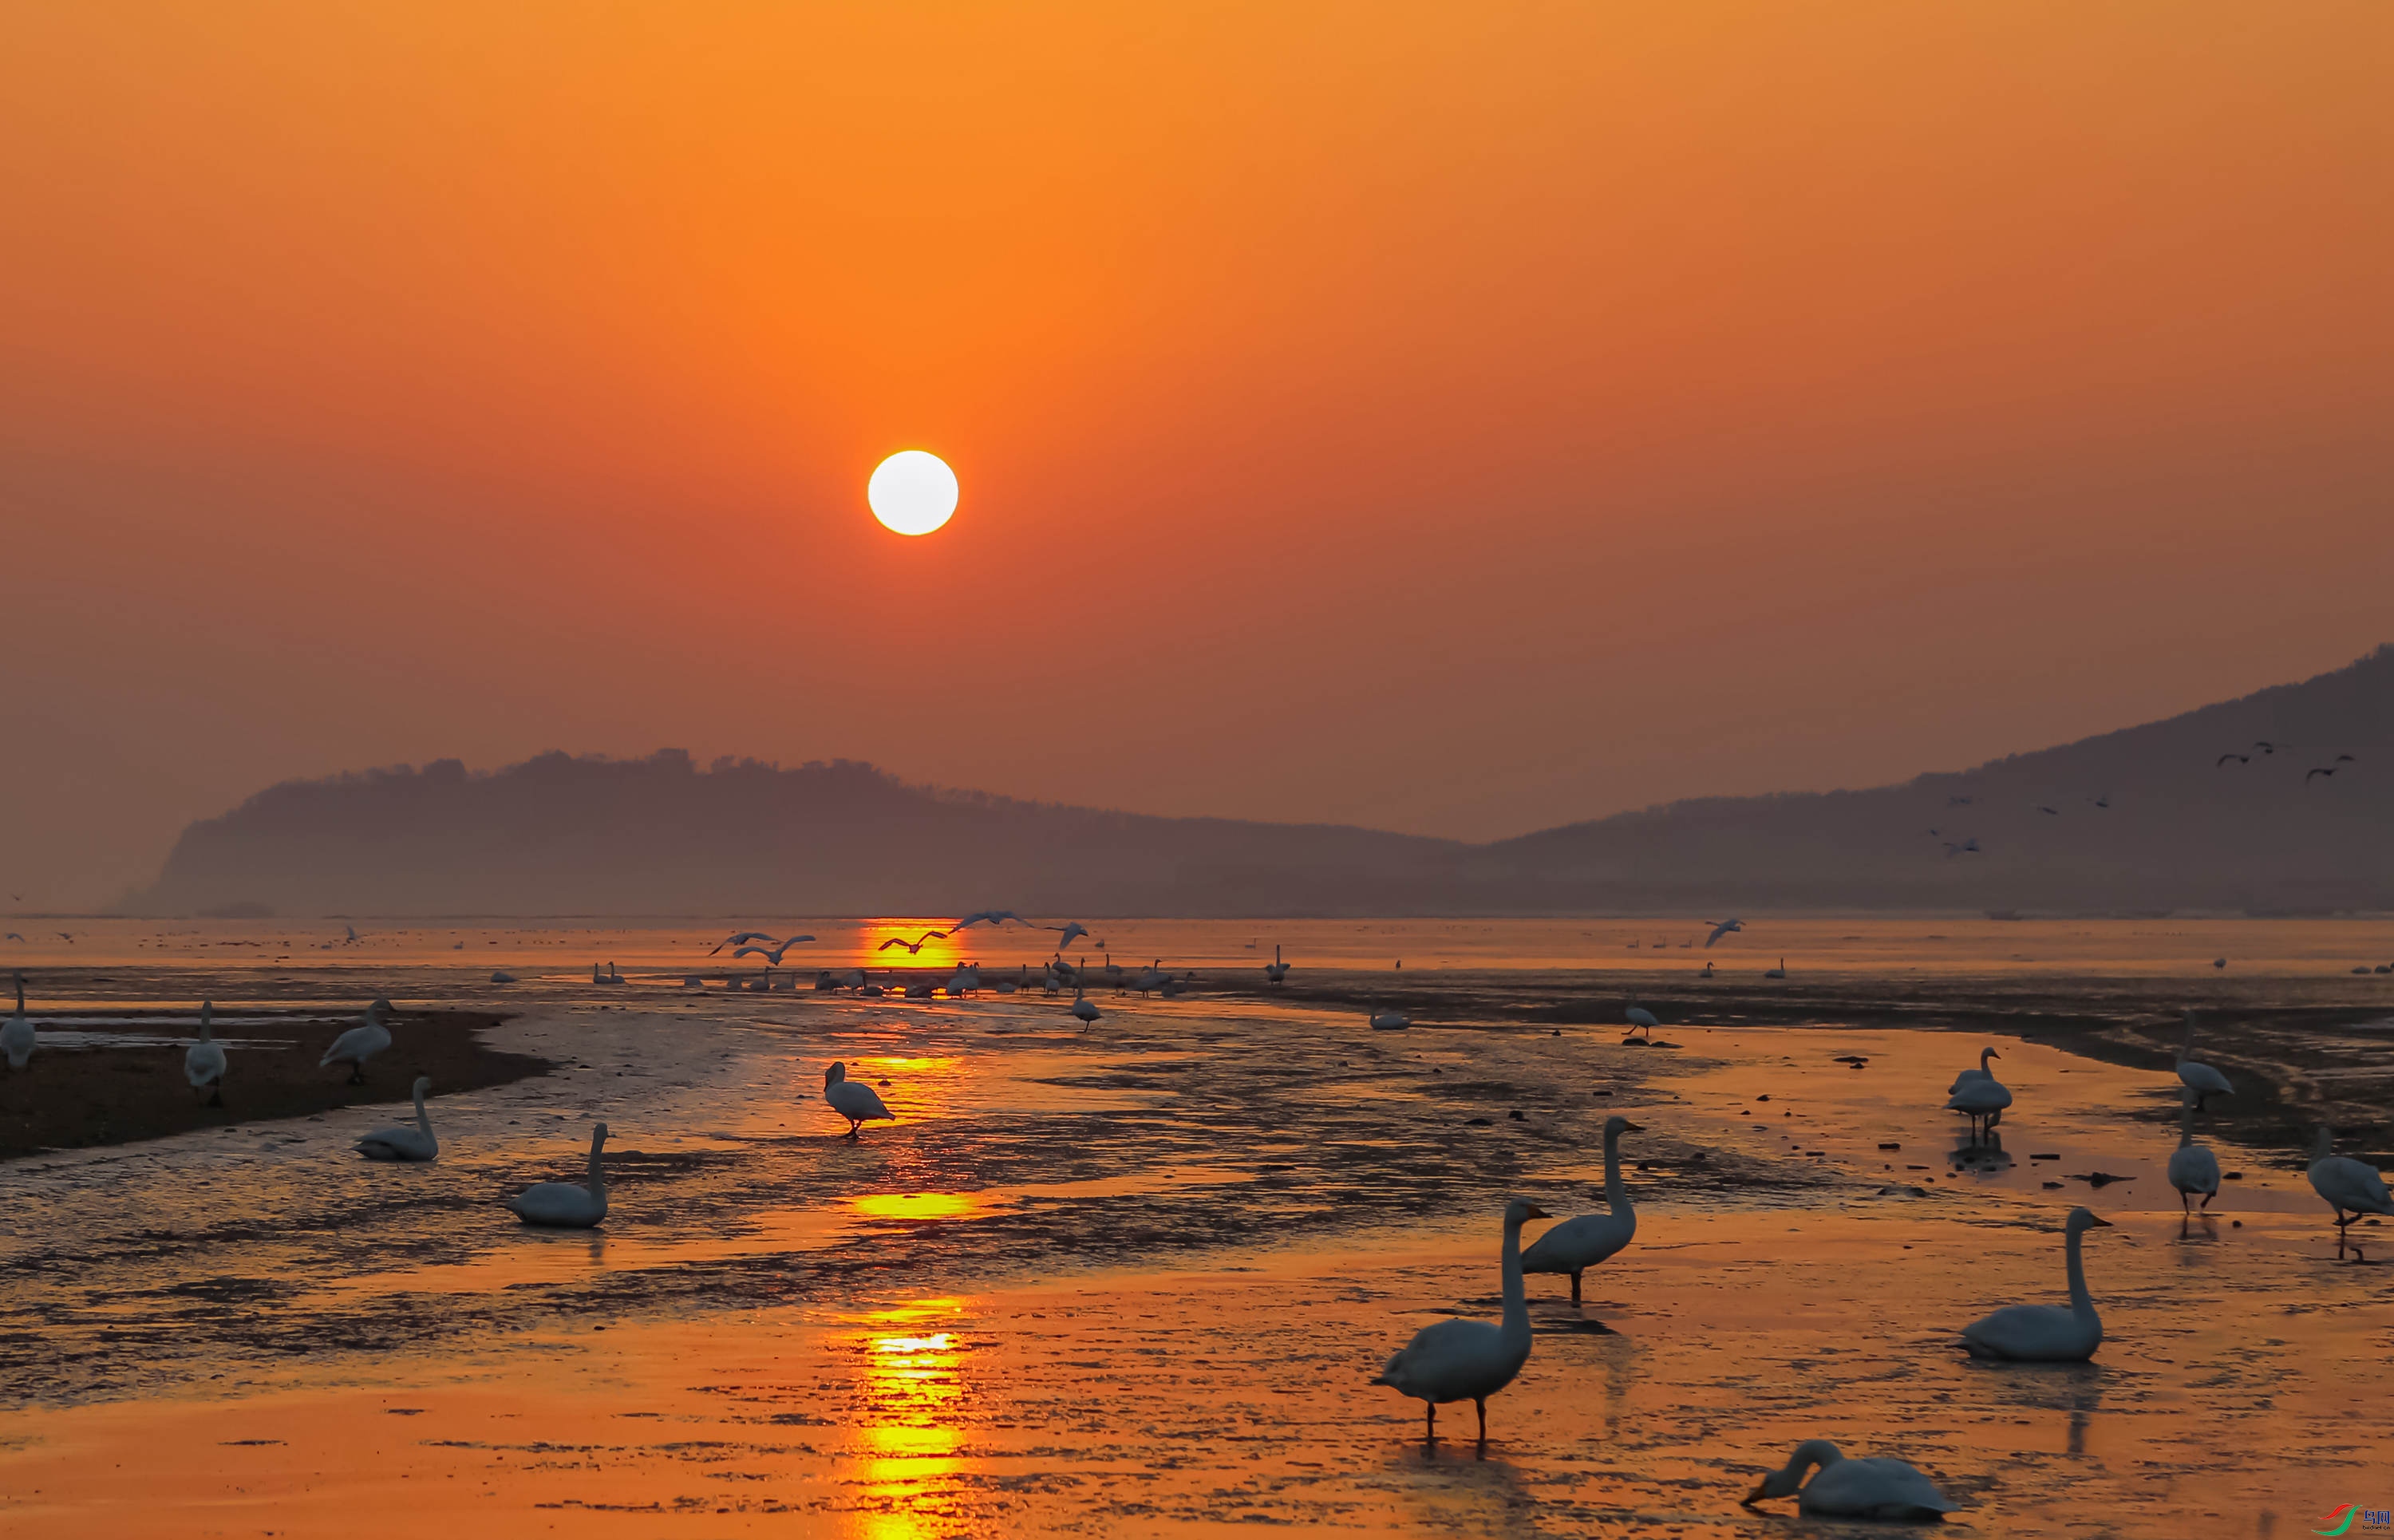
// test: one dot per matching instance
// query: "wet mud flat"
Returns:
(1135, 1280)
(74, 1095)
(2302, 1050)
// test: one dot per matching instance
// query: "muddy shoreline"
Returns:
(78, 1098)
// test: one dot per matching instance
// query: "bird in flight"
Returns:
(2344, 759)
(2054, 811)
(14, 937)
(1071, 931)
(1966, 848)
(1957, 801)
(2105, 800)
(771, 955)
(2240, 758)
(64, 937)
(1722, 928)
(740, 938)
(2318, 770)
(994, 916)
(912, 947)
(2264, 746)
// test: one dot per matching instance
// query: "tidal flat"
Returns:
(1135, 1278)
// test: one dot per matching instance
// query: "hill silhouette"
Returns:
(2142, 819)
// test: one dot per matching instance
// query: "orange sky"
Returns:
(1454, 418)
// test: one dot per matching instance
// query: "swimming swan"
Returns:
(2346, 1184)
(562, 1205)
(1470, 1360)
(1577, 1244)
(852, 1099)
(1851, 1488)
(204, 1061)
(2045, 1334)
(2192, 1169)
(1981, 1073)
(402, 1144)
(2202, 1079)
(17, 1038)
(353, 1048)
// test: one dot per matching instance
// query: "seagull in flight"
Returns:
(2240, 758)
(1722, 928)
(772, 954)
(2318, 770)
(993, 917)
(2264, 746)
(912, 947)
(740, 938)
(1071, 932)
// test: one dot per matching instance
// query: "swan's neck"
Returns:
(2186, 1044)
(599, 1173)
(1984, 1054)
(423, 1120)
(1614, 1193)
(1811, 1452)
(1516, 1299)
(2082, 1304)
(2325, 1144)
(2185, 1123)
(205, 1035)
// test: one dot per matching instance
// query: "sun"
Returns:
(913, 492)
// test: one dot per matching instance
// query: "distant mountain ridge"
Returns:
(2145, 818)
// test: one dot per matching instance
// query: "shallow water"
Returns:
(1136, 1279)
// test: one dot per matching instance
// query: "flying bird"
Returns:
(2104, 800)
(2054, 811)
(2318, 770)
(993, 917)
(1722, 928)
(913, 947)
(1966, 848)
(14, 937)
(1071, 931)
(772, 954)
(2264, 746)
(2344, 759)
(2240, 758)
(740, 938)
(1957, 801)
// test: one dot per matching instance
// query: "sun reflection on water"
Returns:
(916, 1206)
(908, 1443)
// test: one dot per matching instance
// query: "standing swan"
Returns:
(17, 1038)
(1470, 1360)
(2346, 1184)
(562, 1205)
(1981, 1073)
(852, 1099)
(1983, 1101)
(402, 1143)
(2045, 1334)
(204, 1061)
(1577, 1244)
(1852, 1489)
(2192, 1169)
(353, 1048)
(2202, 1079)
(1275, 971)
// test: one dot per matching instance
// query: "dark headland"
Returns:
(2281, 802)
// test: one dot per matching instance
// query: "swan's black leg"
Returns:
(1482, 1402)
(1429, 1426)
(2206, 1201)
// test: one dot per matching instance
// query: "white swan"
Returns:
(2192, 1169)
(562, 1205)
(853, 1099)
(1579, 1243)
(360, 1043)
(2347, 1184)
(1983, 1102)
(1275, 971)
(17, 1038)
(1083, 1007)
(1779, 973)
(204, 1061)
(2202, 1079)
(1981, 1073)
(1390, 1021)
(1470, 1360)
(402, 1144)
(1852, 1489)
(2045, 1334)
